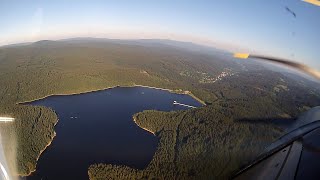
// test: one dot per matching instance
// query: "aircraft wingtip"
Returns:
(314, 2)
(241, 55)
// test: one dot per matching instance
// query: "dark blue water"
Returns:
(97, 127)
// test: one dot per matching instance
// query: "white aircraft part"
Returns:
(6, 119)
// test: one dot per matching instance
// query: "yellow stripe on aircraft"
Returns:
(314, 2)
(241, 55)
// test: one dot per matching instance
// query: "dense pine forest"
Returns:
(211, 141)
(194, 144)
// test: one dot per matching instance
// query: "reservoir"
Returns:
(98, 127)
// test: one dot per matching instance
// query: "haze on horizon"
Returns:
(262, 27)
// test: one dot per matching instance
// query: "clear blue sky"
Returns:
(260, 26)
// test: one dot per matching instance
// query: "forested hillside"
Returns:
(213, 136)
(196, 144)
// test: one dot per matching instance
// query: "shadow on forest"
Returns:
(282, 123)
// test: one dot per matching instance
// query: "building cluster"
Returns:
(208, 79)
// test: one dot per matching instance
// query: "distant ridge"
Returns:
(182, 45)
(43, 41)
(16, 44)
(151, 43)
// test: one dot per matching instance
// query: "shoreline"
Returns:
(135, 121)
(135, 85)
(40, 153)
(186, 92)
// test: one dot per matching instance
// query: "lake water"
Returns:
(97, 127)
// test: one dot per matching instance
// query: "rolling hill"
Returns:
(217, 138)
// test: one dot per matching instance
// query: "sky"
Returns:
(256, 26)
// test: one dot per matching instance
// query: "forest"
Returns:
(217, 138)
(190, 149)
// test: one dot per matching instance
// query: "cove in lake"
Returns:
(98, 127)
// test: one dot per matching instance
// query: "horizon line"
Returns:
(106, 38)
